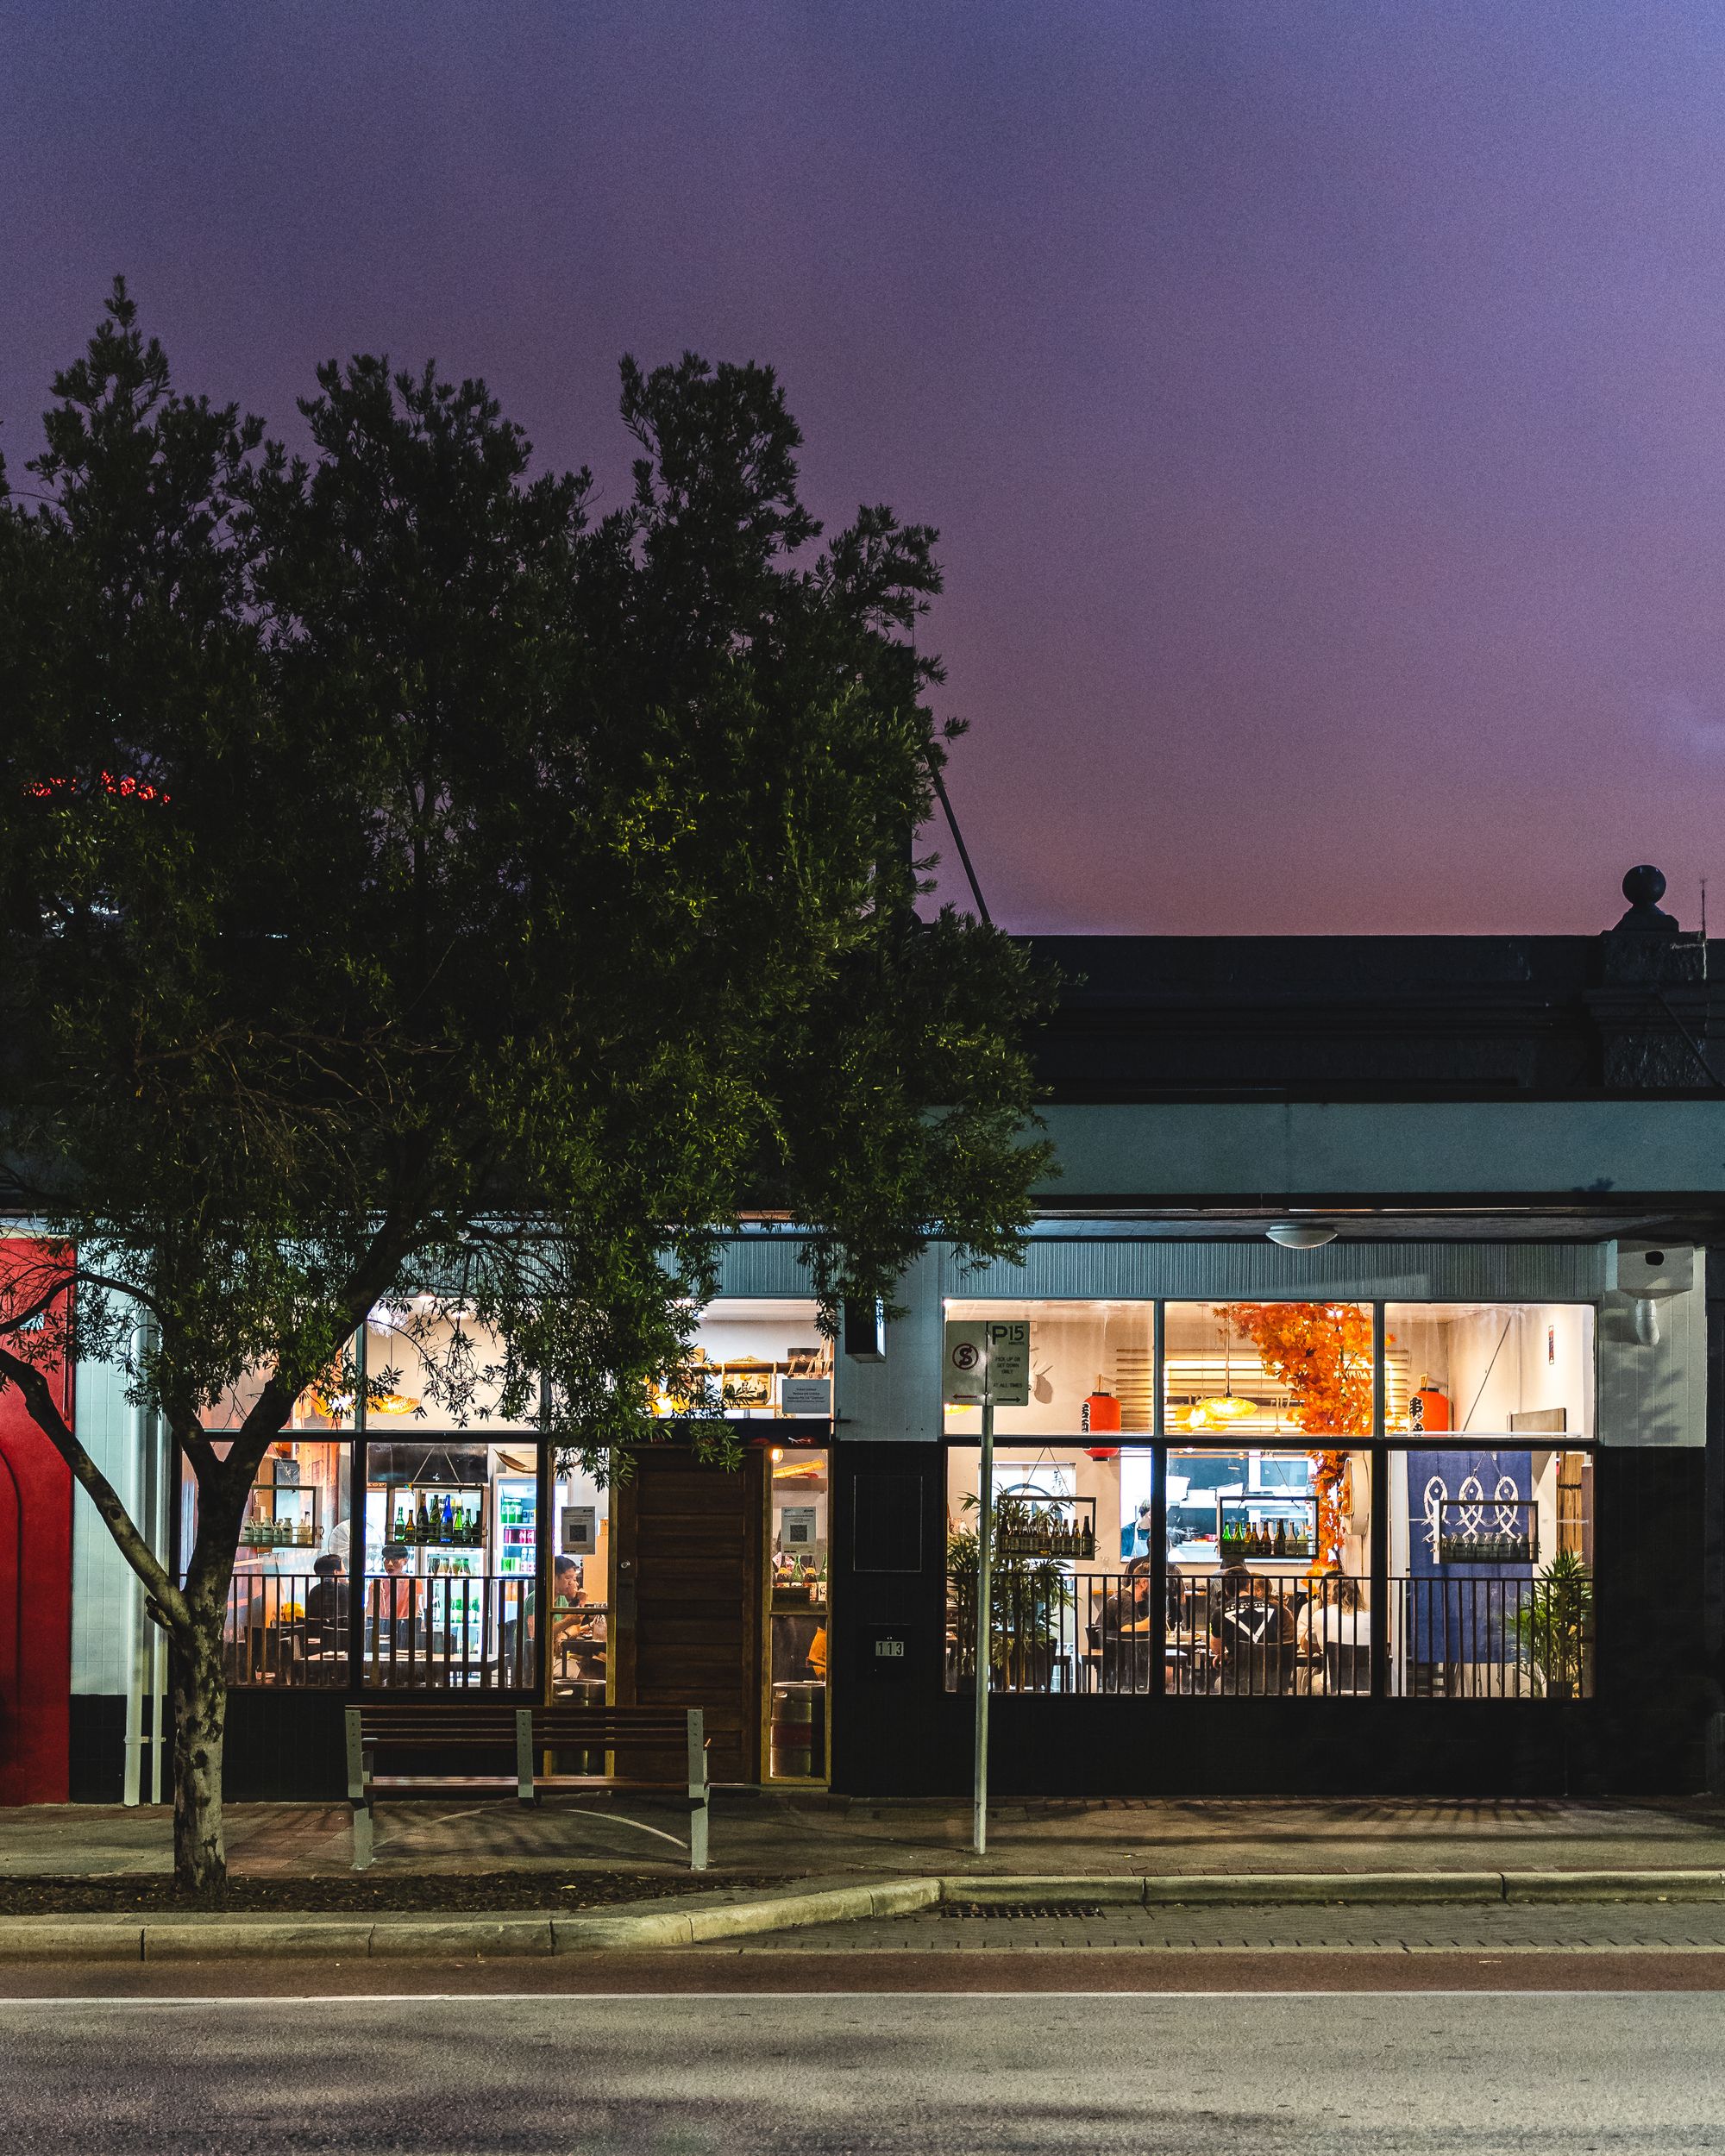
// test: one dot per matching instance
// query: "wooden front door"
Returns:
(688, 1597)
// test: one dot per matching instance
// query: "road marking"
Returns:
(742, 1998)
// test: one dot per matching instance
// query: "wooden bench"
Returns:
(506, 1743)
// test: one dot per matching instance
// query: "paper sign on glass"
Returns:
(806, 1395)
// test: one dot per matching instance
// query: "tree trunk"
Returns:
(198, 1685)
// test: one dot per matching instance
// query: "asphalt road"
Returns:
(1364, 2074)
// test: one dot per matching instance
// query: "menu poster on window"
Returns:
(797, 1527)
(580, 1530)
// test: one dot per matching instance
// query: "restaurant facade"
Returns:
(1374, 1440)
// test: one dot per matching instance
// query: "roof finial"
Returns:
(1644, 886)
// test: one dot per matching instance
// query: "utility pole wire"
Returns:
(958, 841)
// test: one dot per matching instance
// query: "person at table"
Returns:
(395, 1599)
(1123, 1630)
(326, 1606)
(565, 1592)
(1246, 1617)
(1127, 1609)
(1331, 1618)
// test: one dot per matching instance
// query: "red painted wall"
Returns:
(35, 1606)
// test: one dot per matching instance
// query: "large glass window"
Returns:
(288, 1605)
(1485, 1369)
(1072, 1526)
(451, 1556)
(1283, 1425)
(579, 1642)
(1491, 1553)
(759, 1359)
(1259, 1371)
(1091, 1370)
(799, 1501)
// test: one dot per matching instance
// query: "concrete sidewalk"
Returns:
(796, 1836)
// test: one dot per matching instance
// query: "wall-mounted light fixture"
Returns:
(1301, 1235)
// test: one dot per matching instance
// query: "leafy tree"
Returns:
(414, 886)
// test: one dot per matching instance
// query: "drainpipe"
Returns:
(146, 1662)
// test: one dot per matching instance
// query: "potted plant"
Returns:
(1027, 1596)
(1554, 1625)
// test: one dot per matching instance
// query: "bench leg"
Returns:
(524, 1755)
(698, 1791)
(359, 1796)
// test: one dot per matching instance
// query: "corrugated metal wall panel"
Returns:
(899, 1400)
(1088, 1267)
(762, 1265)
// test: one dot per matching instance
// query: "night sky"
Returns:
(1323, 407)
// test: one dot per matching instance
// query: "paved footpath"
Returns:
(766, 1832)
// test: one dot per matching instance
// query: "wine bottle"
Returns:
(1282, 1537)
(448, 1533)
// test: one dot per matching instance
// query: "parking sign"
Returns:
(987, 1358)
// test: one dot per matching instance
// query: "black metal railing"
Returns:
(448, 1632)
(1270, 1637)
(1491, 1638)
(287, 1628)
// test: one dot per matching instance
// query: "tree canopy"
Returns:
(411, 880)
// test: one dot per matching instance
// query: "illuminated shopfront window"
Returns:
(799, 1615)
(1236, 1553)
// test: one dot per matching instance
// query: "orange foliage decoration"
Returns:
(1321, 1351)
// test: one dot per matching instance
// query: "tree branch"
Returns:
(39, 1399)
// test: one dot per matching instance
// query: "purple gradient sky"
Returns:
(1323, 405)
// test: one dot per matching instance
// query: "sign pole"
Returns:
(987, 1364)
(985, 1514)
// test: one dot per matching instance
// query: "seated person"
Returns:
(326, 1607)
(1127, 1609)
(565, 1585)
(392, 1607)
(574, 1626)
(1123, 1630)
(1246, 1619)
(1332, 1619)
(399, 1597)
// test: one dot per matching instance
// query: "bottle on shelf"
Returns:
(448, 1533)
(1282, 1537)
